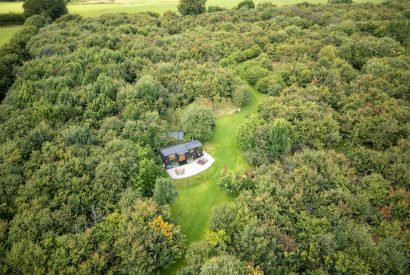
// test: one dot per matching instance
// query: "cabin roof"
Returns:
(180, 148)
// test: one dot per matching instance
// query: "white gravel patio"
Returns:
(191, 169)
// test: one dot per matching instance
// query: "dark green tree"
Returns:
(164, 192)
(224, 265)
(340, 1)
(215, 9)
(280, 137)
(247, 4)
(198, 122)
(191, 7)
(48, 8)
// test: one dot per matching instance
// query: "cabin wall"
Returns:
(196, 153)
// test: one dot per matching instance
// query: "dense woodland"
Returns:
(91, 100)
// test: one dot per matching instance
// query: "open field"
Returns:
(92, 8)
(6, 33)
(200, 194)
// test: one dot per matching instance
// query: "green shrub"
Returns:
(340, 1)
(191, 7)
(10, 19)
(271, 85)
(252, 52)
(281, 137)
(48, 8)
(252, 72)
(164, 191)
(215, 9)
(245, 5)
(236, 180)
(38, 21)
(198, 122)
(240, 96)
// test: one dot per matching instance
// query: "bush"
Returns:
(198, 122)
(240, 96)
(271, 85)
(191, 7)
(36, 21)
(340, 1)
(252, 52)
(14, 53)
(252, 72)
(164, 192)
(69, 17)
(48, 8)
(10, 19)
(235, 181)
(245, 5)
(215, 9)
(280, 137)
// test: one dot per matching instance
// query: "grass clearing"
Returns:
(199, 195)
(6, 33)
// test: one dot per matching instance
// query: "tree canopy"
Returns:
(47, 8)
(87, 102)
(198, 121)
(191, 7)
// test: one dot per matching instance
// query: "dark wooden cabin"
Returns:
(180, 154)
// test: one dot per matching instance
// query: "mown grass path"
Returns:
(200, 194)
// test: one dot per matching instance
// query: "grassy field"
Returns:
(200, 194)
(92, 8)
(6, 33)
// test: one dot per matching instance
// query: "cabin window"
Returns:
(191, 151)
(171, 157)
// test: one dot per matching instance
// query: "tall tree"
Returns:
(198, 122)
(48, 8)
(164, 192)
(191, 7)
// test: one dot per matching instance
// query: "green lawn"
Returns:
(6, 33)
(200, 194)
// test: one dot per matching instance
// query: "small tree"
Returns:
(164, 192)
(340, 1)
(280, 137)
(48, 8)
(198, 122)
(191, 7)
(247, 4)
(215, 9)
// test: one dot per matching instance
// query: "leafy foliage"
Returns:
(164, 192)
(247, 4)
(340, 1)
(47, 8)
(14, 53)
(235, 181)
(88, 102)
(191, 7)
(11, 19)
(198, 122)
(308, 213)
